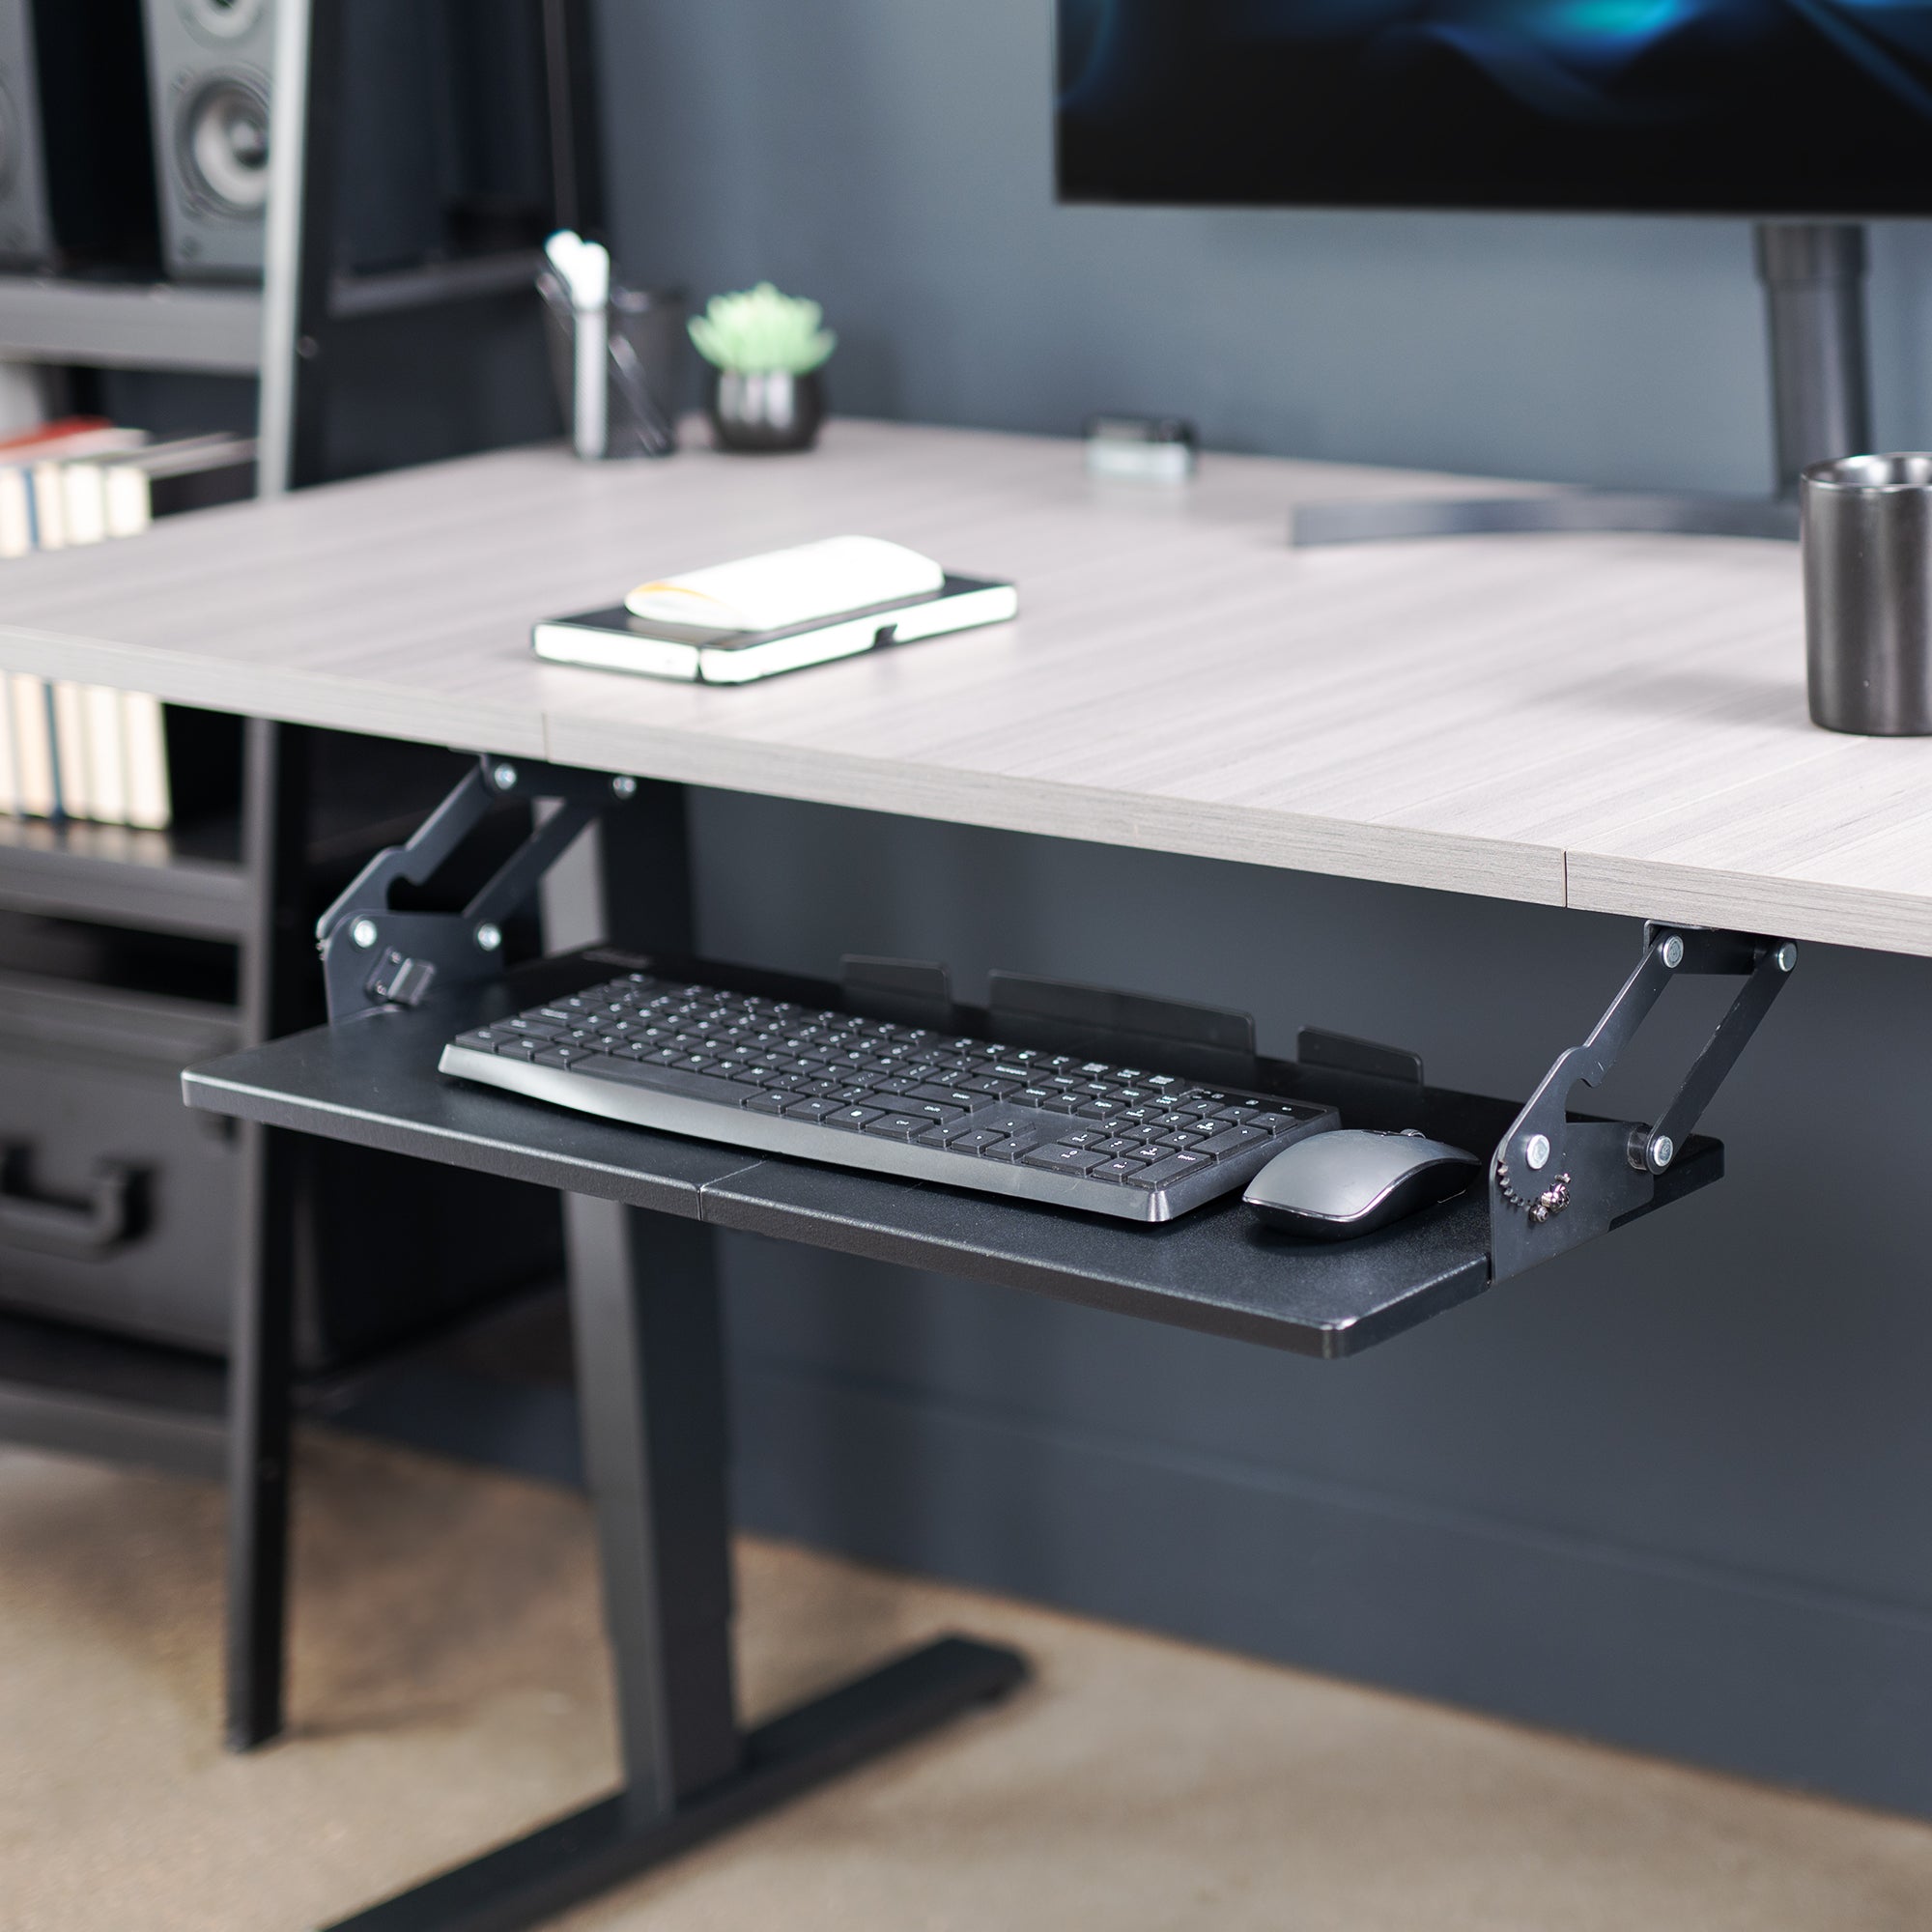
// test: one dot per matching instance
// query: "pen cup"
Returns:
(1866, 535)
(647, 366)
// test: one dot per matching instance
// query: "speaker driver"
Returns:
(224, 146)
(221, 20)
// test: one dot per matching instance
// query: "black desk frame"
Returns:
(644, 1299)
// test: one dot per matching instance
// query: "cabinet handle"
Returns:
(86, 1230)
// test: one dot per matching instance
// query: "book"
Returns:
(106, 754)
(193, 474)
(618, 640)
(782, 589)
(10, 792)
(74, 780)
(144, 750)
(32, 745)
(16, 514)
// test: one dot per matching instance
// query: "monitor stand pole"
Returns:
(1814, 276)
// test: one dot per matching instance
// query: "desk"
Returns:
(1614, 723)
(1578, 722)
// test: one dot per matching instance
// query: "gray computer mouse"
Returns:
(1355, 1180)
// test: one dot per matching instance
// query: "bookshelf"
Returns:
(109, 936)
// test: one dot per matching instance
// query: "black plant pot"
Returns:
(765, 413)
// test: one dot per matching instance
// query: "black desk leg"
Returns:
(258, 1441)
(651, 1383)
(276, 960)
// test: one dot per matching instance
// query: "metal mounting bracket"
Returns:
(1555, 1182)
(373, 955)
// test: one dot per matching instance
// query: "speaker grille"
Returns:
(223, 145)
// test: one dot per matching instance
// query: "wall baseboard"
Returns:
(1738, 1673)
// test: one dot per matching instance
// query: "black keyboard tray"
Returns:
(371, 1080)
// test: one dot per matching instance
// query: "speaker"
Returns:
(76, 174)
(208, 63)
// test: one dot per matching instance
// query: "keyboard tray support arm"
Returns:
(1554, 1182)
(373, 955)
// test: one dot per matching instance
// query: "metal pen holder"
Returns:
(1866, 533)
(645, 365)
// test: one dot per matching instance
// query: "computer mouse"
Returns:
(1355, 1180)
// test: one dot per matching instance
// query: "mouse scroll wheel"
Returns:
(1414, 1134)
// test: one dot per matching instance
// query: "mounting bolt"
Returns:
(1673, 951)
(489, 937)
(1786, 956)
(503, 777)
(624, 788)
(1536, 1151)
(363, 933)
(1662, 1152)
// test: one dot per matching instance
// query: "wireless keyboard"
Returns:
(780, 1078)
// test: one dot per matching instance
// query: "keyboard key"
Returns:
(764, 1103)
(1232, 1141)
(953, 1097)
(1183, 1137)
(1063, 1159)
(1117, 1144)
(481, 1039)
(1016, 1147)
(852, 1117)
(1272, 1123)
(1082, 1137)
(1176, 1167)
(560, 1055)
(896, 1126)
(939, 1111)
(1116, 1170)
(1096, 1110)
(814, 1109)
(971, 1139)
(520, 1049)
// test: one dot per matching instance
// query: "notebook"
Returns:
(618, 640)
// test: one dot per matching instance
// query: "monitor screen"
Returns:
(1765, 107)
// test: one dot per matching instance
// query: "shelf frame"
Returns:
(102, 325)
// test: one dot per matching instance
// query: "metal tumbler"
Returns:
(1866, 524)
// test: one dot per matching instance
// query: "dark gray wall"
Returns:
(1667, 1492)
(893, 160)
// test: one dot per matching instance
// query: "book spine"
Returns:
(107, 756)
(16, 514)
(33, 747)
(144, 738)
(130, 502)
(74, 791)
(83, 503)
(49, 506)
(10, 790)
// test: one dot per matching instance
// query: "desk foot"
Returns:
(561, 1865)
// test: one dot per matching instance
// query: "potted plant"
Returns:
(765, 350)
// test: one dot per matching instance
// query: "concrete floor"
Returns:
(449, 1689)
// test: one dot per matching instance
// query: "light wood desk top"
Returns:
(1610, 722)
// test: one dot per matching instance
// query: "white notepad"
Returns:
(617, 640)
(780, 589)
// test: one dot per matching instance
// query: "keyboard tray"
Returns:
(372, 1081)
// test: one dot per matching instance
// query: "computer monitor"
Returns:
(1786, 110)
(1780, 108)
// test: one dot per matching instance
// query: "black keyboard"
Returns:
(780, 1078)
